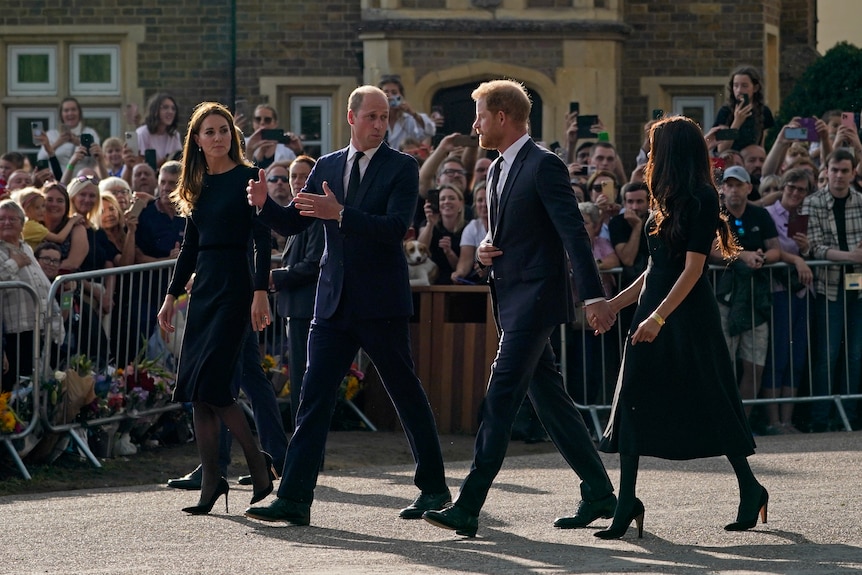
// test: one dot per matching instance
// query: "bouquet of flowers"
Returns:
(277, 374)
(9, 420)
(351, 385)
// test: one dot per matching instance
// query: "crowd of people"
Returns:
(90, 204)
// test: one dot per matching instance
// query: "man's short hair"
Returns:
(606, 145)
(171, 167)
(449, 160)
(839, 155)
(505, 96)
(354, 103)
(635, 187)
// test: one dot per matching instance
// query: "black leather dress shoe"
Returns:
(190, 481)
(426, 502)
(589, 511)
(282, 510)
(455, 518)
(246, 479)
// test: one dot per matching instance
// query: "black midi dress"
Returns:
(216, 247)
(676, 397)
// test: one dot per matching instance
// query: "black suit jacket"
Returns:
(538, 224)
(363, 262)
(296, 281)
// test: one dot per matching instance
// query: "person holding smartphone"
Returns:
(66, 138)
(263, 149)
(160, 130)
(745, 109)
(404, 121)
(785, 360)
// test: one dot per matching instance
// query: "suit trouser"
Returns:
(267, 416)
(297, 358)
(332, 346)
(525, 365)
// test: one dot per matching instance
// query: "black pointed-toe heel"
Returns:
(617, 530)
(203, 508)
(746, 524)
(270, 472)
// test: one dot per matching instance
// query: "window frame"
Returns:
(78, 88)
(16, 88)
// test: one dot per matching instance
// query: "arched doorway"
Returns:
(459, 110)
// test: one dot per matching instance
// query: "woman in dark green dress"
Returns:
(676, 396)
(224, 297)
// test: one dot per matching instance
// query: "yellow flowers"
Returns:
(8, 418)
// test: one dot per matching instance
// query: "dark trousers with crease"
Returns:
(332, 346)
(524, 365)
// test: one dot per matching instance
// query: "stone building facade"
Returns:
(619, 59)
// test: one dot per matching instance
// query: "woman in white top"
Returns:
(68, 137)
(471, 237)
(160, 132)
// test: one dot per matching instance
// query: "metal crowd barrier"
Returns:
(597, 359)
(24, 397)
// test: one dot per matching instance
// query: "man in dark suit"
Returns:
(365, 195)
(534, 224)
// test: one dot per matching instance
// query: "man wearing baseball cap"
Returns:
(743, 288)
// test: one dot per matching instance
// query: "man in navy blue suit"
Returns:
(534, 224)
(365, 195)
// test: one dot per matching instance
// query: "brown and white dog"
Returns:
(423, 270)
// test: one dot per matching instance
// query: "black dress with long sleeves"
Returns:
(215, 247)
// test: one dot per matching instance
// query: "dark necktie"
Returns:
(353, 181)
(493, 195)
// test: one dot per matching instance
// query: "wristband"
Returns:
(70, 166)
(657, 318)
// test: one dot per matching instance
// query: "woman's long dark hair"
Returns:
(757, 101)
(191, 179)
(154, 106)
(679, 167)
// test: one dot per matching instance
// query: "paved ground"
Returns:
(815, 523)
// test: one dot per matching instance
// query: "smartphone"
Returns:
(796, 133)
(136, 208)
(437, 110)
(574, 107)
(466, 141)
(132, 142)
(603, 137)
(609, 191)
(464, 281)
(798, 225)
(434, 200)
(150, 159)
(849, 119)
(87, 141)
(585, 124)
(718, 163)
(394, 101)
(744, 99)
(240, 108)
(657, 114)
(276, 134)
(810, 125)
(727, 134)
(36, 129)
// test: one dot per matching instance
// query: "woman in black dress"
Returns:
(676, 396)
(219, 226)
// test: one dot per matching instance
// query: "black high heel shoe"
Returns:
(202, 509)
(746, 524)
(270, 472)
(616, 531)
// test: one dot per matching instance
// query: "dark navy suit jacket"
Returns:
(363, 262)
(538, 224)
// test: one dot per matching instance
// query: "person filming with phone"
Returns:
(745, 110)
(404, 121)
(269, 144)
(67, 137)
